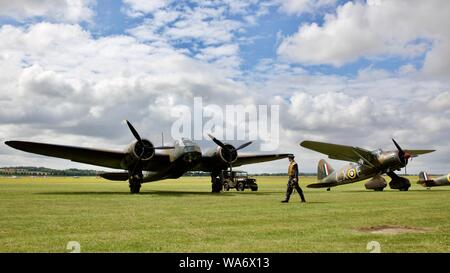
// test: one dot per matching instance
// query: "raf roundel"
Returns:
(351, 173)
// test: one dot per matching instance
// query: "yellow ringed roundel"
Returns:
(351, 173)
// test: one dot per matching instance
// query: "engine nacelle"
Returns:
(136, 149)
(391, 160)
(377, 183)
(227, 156)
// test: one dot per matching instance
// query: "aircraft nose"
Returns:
(191, 157)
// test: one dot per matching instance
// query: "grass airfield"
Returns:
(44, 214)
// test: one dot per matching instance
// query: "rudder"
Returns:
(423, 176)
(323, 169)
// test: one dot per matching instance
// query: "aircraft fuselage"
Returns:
(385, 161)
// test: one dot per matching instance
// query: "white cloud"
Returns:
(358, 31)
(331, 111)
(137, 8)
(297, 7)
(81, 85)
(55, 10)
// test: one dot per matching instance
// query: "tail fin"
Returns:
(426, 180)
(323, 169)
(423, 177)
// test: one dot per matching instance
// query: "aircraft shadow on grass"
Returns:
(161, 193)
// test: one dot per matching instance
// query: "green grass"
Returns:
(43, 215)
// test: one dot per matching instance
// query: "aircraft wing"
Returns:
(246, 159)
(103, 158)
(97, 157)
(208, 163)
(340, 152)
(415, 153)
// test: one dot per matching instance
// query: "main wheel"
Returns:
(135, 186)
(216, 187)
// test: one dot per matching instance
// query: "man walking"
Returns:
(293, 180)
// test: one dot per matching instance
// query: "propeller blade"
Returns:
(398, 147)
(243, 146)
(137, 162)
(401, 154)
(218, 142)
(134, 132)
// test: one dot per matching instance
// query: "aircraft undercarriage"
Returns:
(398, 183)
(135, 183)
(216, 183)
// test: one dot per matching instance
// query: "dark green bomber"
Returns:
(427, 181)
(143, 162)
(365, 164)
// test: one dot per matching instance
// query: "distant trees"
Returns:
(41, 171)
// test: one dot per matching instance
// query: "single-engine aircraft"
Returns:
(427, 181)
(143, 162)
(365, 164)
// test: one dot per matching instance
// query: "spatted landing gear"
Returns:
(398, 183)
(135, 184)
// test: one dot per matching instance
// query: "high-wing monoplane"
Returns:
(143, 162)
(364, 164)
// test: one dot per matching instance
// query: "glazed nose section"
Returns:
(192, 153)
(191, 157)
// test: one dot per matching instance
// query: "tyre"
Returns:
(216, 187)
(240, 186)
(226, 186)
(254, 188)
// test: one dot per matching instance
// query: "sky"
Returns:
(349, 72)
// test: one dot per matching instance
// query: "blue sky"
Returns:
(73, 70)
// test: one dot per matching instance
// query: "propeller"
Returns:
(404, 156)
(230, 150)
(145, 148)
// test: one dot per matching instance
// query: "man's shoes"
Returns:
(285, 201)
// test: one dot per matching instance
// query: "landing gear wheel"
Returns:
(135, 185)
(216, 187)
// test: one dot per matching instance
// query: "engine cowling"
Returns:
(144, 148)
(228, 155)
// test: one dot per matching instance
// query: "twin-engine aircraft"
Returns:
(427, 181)
(365, 164)
(143, 162)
